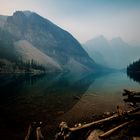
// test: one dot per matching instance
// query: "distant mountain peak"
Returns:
(16, 13)
(98, 40)
(28, 13)
(117, 39)
(101, 37)
(115, 54)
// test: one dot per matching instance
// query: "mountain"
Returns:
(118, 42)
(134, 43)
(2, 20)
(100, 50)
(37, 38)
(114, 53)
(28, 52)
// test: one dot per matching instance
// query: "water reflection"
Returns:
(55, 97)
(26, 98)
(103, 95)
(134, 75)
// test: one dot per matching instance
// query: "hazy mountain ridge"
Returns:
(114, 53)
(49, 39)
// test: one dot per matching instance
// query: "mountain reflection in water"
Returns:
(26, 98)
(57, 97)
(134, 75)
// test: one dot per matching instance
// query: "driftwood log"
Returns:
(99, 122)
(133, 97)
(67, 131)
(131, 93)
(133, 101)
(108, 133)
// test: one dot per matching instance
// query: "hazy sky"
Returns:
(85, 19)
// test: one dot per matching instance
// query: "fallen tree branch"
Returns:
(108, 133)
(66, 132)
(130, 93)
(113, 117)
(93, 123)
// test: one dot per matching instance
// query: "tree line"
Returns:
(20, 66)
(133, 71)
(134, 67)
(29, 65)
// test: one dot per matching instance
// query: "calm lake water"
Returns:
(57, 97)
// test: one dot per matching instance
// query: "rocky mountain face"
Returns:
(2, 20)
(114, 53)
(33, 34)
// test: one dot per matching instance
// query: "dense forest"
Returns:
(134, 67)
(19, 66)
(133, 70)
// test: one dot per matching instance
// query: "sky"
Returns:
(85, 19)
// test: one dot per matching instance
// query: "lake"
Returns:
(53, 98)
